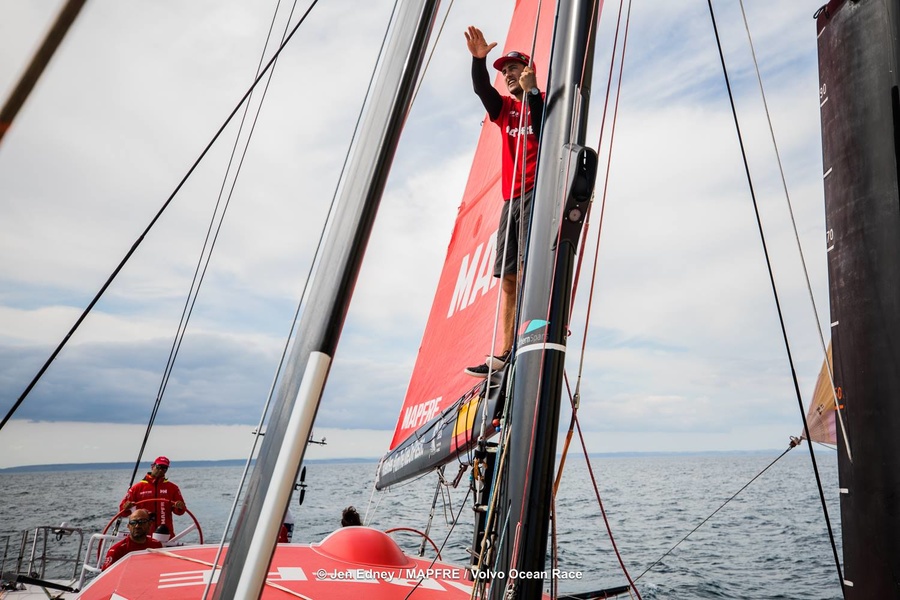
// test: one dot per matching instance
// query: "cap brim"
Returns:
(498, 64)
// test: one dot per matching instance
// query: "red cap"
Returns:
(161, 460)
(515, 55)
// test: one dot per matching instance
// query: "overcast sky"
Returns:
(684, 348)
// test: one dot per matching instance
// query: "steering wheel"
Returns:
(417, 532)
(190, 528)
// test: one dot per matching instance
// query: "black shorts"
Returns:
(518, 225)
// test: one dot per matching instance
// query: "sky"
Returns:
(684, 349)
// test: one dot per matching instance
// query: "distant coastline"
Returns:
(182, 464)
(240, 462)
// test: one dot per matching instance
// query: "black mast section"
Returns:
(564, 183)
(860, 105)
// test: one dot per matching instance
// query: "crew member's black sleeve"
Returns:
(481, 82)
(536, 107)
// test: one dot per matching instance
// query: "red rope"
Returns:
(612, 540)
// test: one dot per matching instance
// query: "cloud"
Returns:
(684, 339)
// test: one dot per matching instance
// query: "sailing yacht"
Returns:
(537, 371)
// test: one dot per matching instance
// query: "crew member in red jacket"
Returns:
(155, 486)
(518, 117)
(138, 538)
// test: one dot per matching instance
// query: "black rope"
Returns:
(153, 221)
(787, 346)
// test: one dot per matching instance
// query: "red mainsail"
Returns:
(460, 326)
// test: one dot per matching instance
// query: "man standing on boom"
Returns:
(519, 118)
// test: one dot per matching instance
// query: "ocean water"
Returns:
(769, 543)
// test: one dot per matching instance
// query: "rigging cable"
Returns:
(144, 233)
(787, 196)
(437, 38)
(558, 245)
(312, 267)
(206, 256)
(713, 513)
(499, 470)
(443, 544)
(284, 351)
(38, 63)
(600, 501)
(576, 401)
(575, 397)
(784, 335)
(520, 144)
(485, 544)
(522, 268)
(206, 251)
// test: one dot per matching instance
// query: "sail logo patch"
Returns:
(476, 276)
(421, 413)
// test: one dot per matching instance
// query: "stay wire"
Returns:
(784, 335)
(576, 401)
(609, 80)
(147, 229)
(787, 196)
(309, 275)
(259, 428)
(521, 148)
(558, 245)
(437, 38)
(713, 513)
(609, 532)
(444, 543)
(208, 248)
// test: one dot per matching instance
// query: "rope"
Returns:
(519, 170)
(259, 428)
(557, 249)
(437, 38)
(790, 208)
(493, 509)
(443, 544)
(206, 256)
(612, 136)
(576, 397)
(612, 64)
(711, 515)
(602, 509)
(294, 321)
(787, 345)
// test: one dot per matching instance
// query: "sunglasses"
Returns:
(138, 521)
(162, 467)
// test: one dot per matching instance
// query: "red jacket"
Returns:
(120, 549)
(149, 488)
(513, 139)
